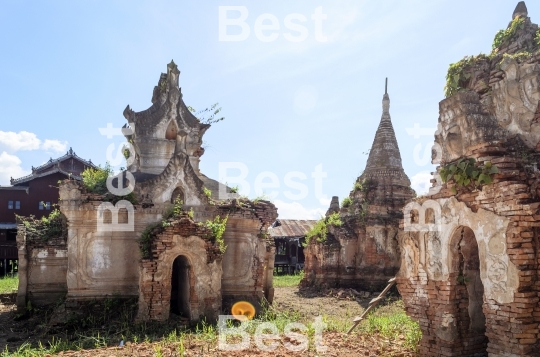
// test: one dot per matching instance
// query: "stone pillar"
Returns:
(23, 268)
(269, 277)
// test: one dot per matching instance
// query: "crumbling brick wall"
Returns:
(470, 275)
(184, 237)
(363, 251)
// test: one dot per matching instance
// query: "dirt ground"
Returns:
(287, 299)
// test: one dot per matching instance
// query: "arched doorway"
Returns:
(171, 132)
(178, 193)
(180, 287)
(469, 292)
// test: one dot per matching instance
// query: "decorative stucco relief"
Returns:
(499, 276)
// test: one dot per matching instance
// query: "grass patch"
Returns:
(112, 321)
(285, 281)
(391, 322)
(8, 284)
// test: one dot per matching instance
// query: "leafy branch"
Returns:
(504, 35)
(208, 115)
(52, 226)
(467, 173)
(217, 227)
(458, 74)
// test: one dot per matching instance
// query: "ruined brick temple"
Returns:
(171, 265)
(363, 251)
(470, 248)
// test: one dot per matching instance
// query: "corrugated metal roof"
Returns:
(8, 225)
(291, 228)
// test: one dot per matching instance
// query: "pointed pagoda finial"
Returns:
(521, 10)
(386, 100)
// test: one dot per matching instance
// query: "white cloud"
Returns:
(54, 145)
(25, 140)
(10, 166)
(19, 141)
(294, 210)
(420, 182)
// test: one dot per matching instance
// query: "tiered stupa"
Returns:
(363, 251)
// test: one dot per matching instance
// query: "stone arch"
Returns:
(181, 279)
(178, 193)
(465, 319)
(172, 131)
(414, 216)
(155, 283)
(429, 216)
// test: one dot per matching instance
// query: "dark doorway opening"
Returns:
(180, 287)
(470, 293)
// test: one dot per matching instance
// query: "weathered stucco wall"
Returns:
(42, 270)
(469, 253)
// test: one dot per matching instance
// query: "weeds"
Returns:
(281, 281)
(8, 284)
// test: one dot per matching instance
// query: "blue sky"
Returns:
(70, 67)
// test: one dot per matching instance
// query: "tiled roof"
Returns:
(291, 228)
(51, 167)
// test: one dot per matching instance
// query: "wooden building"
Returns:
(35, 194)
(289, 236)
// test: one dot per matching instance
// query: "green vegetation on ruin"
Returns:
(215, 226)
(95, 181)
(505, 35)
(47, 227)
(320, 229)
(458, 74)
(466, 172)
(347, 202)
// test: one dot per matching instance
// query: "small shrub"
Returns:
(207, 193)
(457, 75)
(147, 238)
(217, 227)
(52, 226)
(95, 180)
(466, 173)
(320, 229)
(504, 35)
(347, 202)
(537, 38)
(175, 211)
(235, 189)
